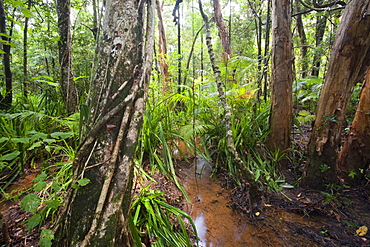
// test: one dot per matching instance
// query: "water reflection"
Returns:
(217, 224)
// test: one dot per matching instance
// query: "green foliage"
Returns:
(306, 92)
(48, 195)
(305, 117)
(24, 141)
(151, 216)
(46, 238)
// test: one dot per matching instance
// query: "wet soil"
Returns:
(14, 217)
(293, 217)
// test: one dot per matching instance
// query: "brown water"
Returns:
(217, 224)
(220, 226)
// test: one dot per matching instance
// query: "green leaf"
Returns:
(288, 186)
(39, 186)
(46, 238)
(41, 177)
(10, 156)
(35, 145)
(27, 13)
(3, 139)
(30, 203)
(83, 181)
(49, 140)
(5, 35)
(75, 186)
(34, 221)
(62, 135)
(20, 140)
(53, 203)
(39, 135)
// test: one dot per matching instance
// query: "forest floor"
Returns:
(292, 217)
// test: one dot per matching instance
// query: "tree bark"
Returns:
(68, 86)
(346, 67)
(222, 31)
(355, 153)
(303, 39)
(281, 78)
(162, 44)
(97, 214)
(5, 101)
(319, 35)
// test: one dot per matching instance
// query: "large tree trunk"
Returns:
(5, 101)
(281, 77)
(97, 214)
(355, 153)
(346, 67)
(68, 86)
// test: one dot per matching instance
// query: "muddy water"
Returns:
(217, 224)
(220, 226)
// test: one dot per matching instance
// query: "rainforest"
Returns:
(184, 123)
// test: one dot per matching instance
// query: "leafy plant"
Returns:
(48, 195)
(152, 217)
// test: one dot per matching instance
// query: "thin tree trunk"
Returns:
(319, 36)
(97, 214)
(355, 153)
(267, 50)
(25, 62)
(67, 83)
(222, 31)
(349, 54)
(281, 78)
(227, 110)
(5, 101)
(303, 39)
(162, 44)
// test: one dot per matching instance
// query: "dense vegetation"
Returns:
(39, 135)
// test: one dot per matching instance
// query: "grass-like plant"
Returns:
(158, 222)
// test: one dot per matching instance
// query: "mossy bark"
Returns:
(97, 214)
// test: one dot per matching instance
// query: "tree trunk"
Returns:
(281, 78)
(97, 214)
(5, 101)
(68, 87)
(25, 56)
(355, 153)
(162, 44)
(319, 35)
(346, 68)
(222, 31)
(303, 39)
(249, 176)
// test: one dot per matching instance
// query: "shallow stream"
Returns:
(217, 224)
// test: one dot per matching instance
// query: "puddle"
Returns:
(217, 224)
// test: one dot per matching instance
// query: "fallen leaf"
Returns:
(362, 231)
